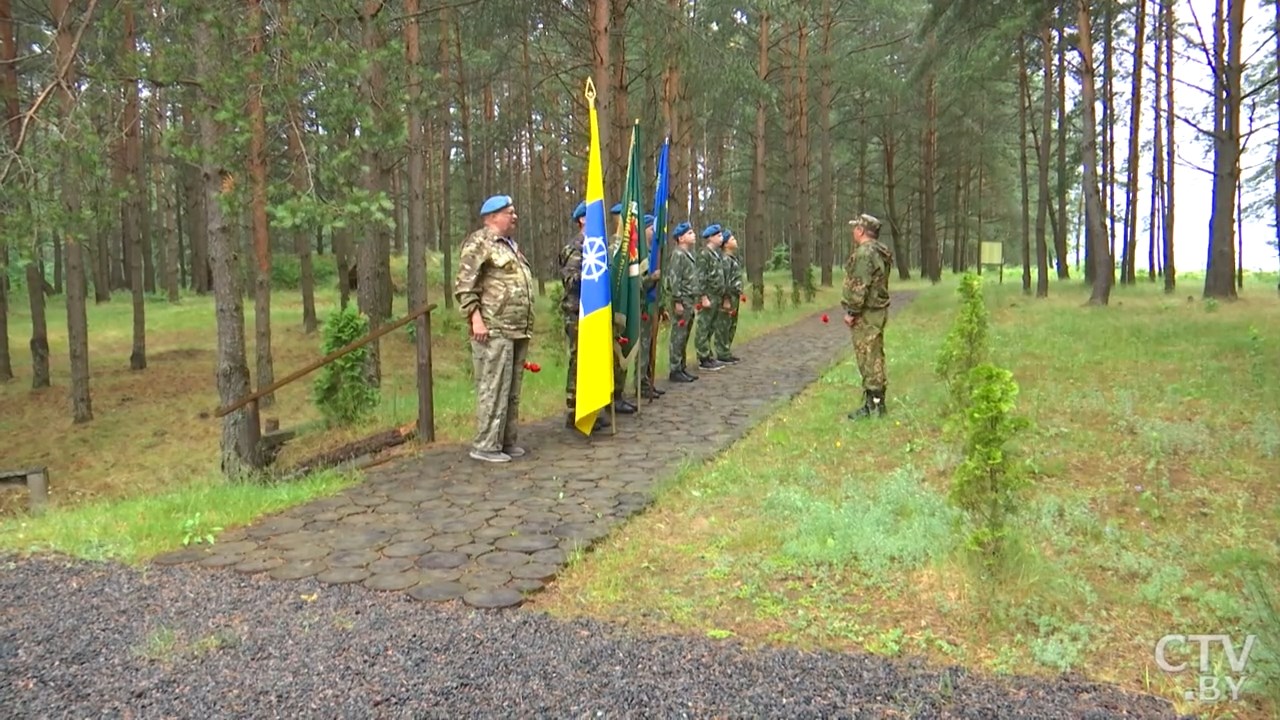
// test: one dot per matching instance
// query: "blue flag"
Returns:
(660, 217)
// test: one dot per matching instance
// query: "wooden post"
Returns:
(253, 435)
(38, 490)
(426, 393)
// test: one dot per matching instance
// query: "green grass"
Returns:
(1153, 456)
(139, 528)
(148, 460)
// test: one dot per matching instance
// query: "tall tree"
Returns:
(1228, 33)
(66, 42)
(1095, 225)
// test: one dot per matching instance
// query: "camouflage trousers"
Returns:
(499, 372)
(726, 328)
(571, 377)
(708, 321)
(681, 324)
(646, 346)
(868, 348)
(619, 372)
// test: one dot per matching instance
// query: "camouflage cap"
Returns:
(869, 222)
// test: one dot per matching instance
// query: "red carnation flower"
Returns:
(622, 341)
(825, 318)
(681, 322)
(743, 298)
(533, 367)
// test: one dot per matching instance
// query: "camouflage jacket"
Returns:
(682, 281)
(711, 273)
(495, 278)
(732, 275)
(866, 278)
(571, 276)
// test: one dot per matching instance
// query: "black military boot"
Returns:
(710, 364)
(602, 421)
(623, 406)
(864, 411)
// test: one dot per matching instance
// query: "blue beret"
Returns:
(681, 229)
(616, 209)
(726, 232)
(711, 230)
(580, 211)
(495, 203)
(649, 220)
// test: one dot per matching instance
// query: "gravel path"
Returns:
(80, 640)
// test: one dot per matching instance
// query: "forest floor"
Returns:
(142, 476)
(1153, 509)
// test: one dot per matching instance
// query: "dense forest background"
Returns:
(234, 148)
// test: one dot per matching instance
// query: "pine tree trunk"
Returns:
(258, 208)
(11, 113)
(240, 429)
(39, 327)
(1219, 280)
(827, 193)
(757, 247)
(930, 257)
(1042, 207)
(1095, 224)
(1170, 274)
(131, 235)
(301, 171)
(1024, 100)
(1060, 228)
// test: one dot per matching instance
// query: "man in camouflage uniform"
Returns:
(494, 289)
(684, 290)
(570, 261)
(711, 278)
(648, 321)
(733, 297)
(866, 308)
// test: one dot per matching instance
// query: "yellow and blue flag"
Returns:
(595, 310)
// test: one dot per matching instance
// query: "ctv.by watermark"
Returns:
(1172, 652)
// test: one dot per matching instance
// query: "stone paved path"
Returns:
(441, 526)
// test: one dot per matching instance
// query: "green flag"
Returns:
(628, 298)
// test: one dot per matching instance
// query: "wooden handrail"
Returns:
(350, 347)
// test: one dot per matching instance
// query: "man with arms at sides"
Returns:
(494, 289)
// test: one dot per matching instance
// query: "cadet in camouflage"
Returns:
(866, 307)
(684, 291)
(648, 319)
(494, 289)
(711, 277)
(733, 289)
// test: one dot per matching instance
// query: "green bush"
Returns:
(343, 390)
(966, 345)
(987, 484)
